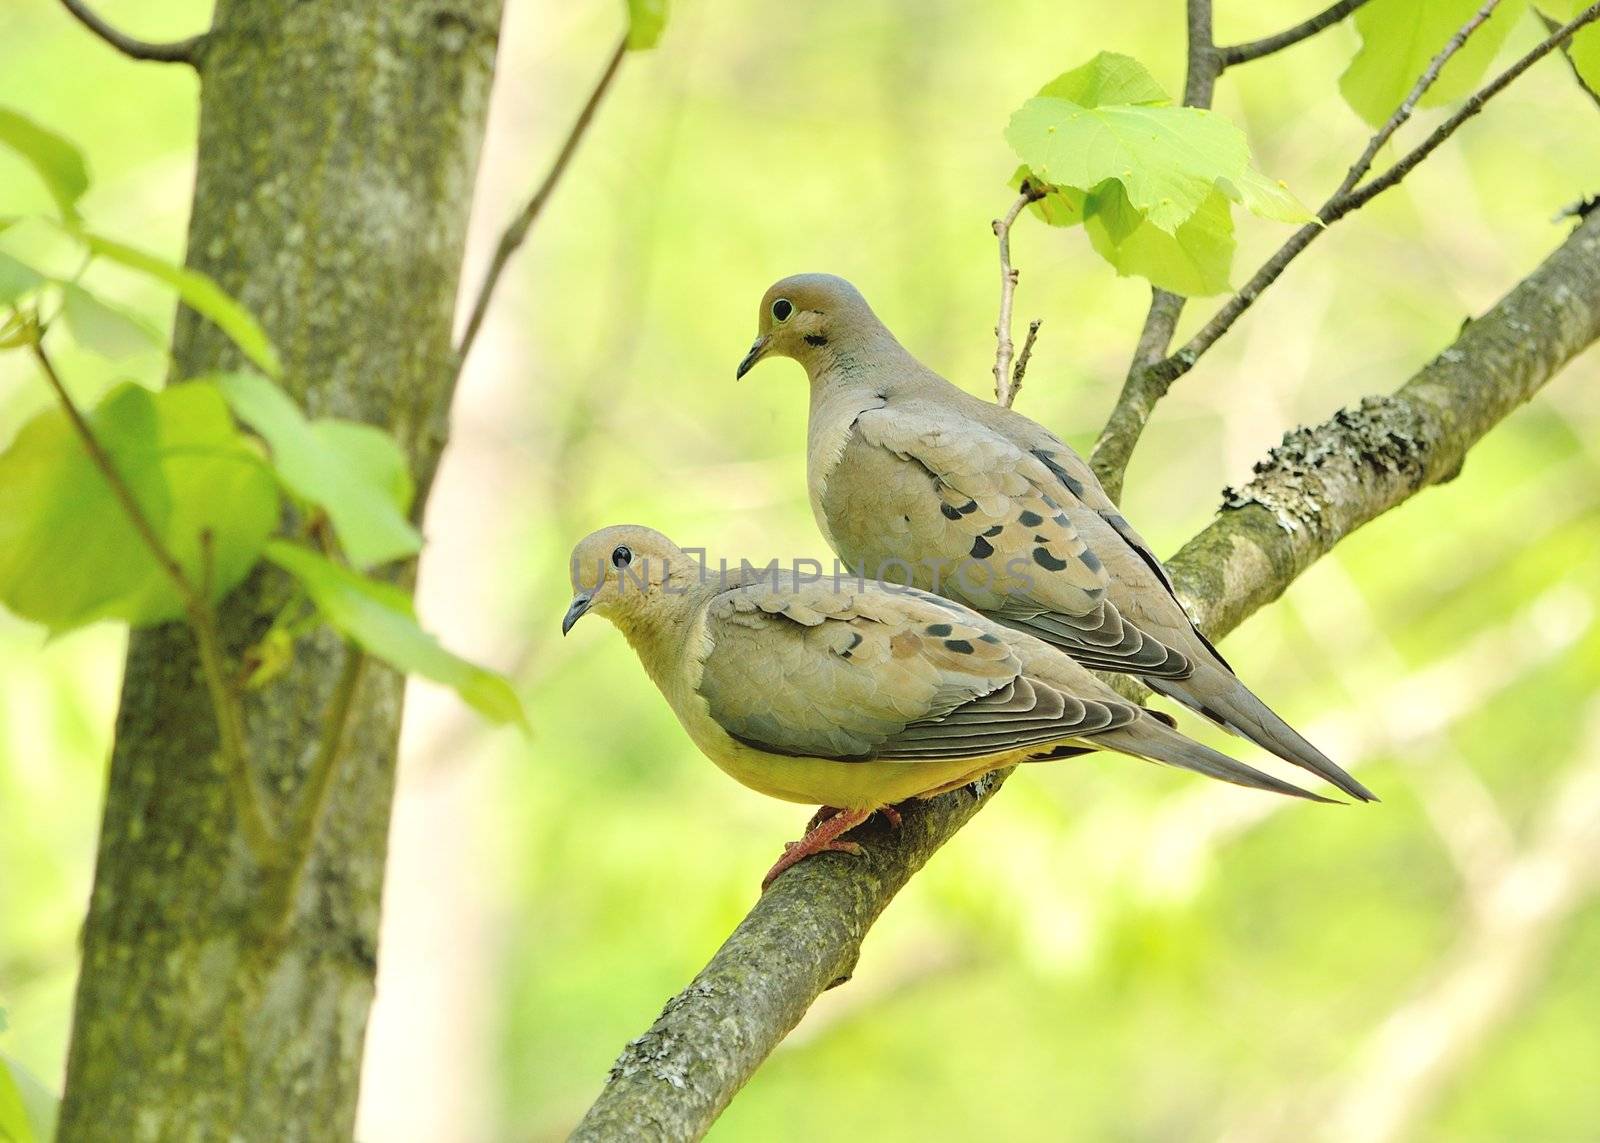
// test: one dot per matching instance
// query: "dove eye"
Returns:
(782, 308)
(621, 556)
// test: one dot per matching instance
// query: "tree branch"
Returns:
(1005, 388)
(805, 934)
(1145, 387)
(518, 230)
(178, 51)
(1553, 26)
(1267, 45)
(1161, 322)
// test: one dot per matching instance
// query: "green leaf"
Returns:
(47, 247)
(16, 278)
(57, 161)
(201, 294)
(1168, 159)
(69, 554)
(222, 495)
(1061, 206)
(101, 328)
(1584, 51)
(350, 474)
(1266, 198)
(646, 20)
(1193, 261)
(371, 452)
(1108, 78)
(27, 1108)
(379, 618)
(1399, 38)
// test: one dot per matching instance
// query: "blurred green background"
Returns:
(1110, 951)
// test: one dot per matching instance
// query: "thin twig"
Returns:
(1004, 391)
(1022, 358)
(1267, 45)
(178, 51)
(518, 230)
(1552, 25)
(1141, 392)
(302, 840)
(225, 702)
(1136, 402)
(1358, 170)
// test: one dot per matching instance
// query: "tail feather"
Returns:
(1151, 739)
(1220, 696)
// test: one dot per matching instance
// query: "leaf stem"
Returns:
(302, 840)
(225, 701)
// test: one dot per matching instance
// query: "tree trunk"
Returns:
(338, 147)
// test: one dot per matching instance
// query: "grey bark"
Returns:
(804, 935)
(338, 147)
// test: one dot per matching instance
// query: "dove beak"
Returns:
(580, 604)
(755, 355)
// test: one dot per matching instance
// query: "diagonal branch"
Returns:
(805, 934)
(1145, 387)
(1552, 26)
(1267, 45)
(178, 51)
(518, 230)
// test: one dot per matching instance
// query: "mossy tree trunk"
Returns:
(337, 153)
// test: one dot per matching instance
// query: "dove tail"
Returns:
(1218, 695)
(1151, 739)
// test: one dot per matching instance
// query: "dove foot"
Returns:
(823, 837)
(890, 814)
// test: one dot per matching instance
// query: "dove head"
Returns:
(817, 319)
(632, 575)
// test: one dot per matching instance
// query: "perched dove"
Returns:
(851, 694)
(915, 481)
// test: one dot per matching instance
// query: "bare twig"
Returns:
(1161, 322)
(1553, 25)
(178, 51)
(518, 230)
(225, 701)
(1021, 368)
(806, 932)
(1145, 387)
(1004, 390)
(1255, 49)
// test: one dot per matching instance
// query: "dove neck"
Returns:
(658, 630)
(861, 358)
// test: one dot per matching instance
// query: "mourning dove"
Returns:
(913, 480)
(851, 694)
